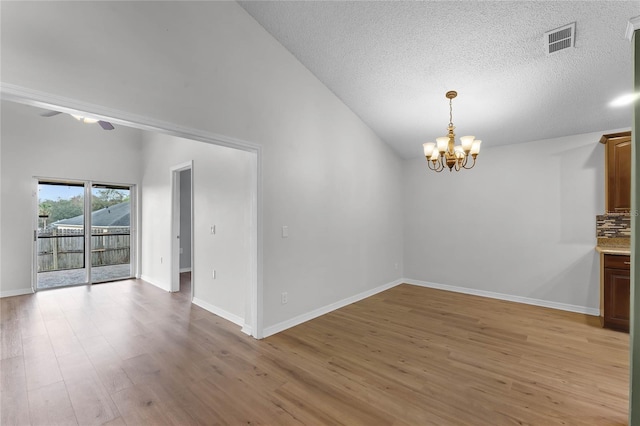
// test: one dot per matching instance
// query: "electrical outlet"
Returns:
(160, 259)
(182, 250)
(285, 297)
(213, 274)
(395, 266)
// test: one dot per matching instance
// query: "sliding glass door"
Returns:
(110, 233)
(60, 236)
(73, 247)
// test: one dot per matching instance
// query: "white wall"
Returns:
(55, 147)
(521, 223)
(222, 197)
(210, 66)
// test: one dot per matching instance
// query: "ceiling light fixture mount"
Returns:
(81, 118)
(85, 119)
(445, 153)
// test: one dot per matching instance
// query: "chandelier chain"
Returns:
(450, 112)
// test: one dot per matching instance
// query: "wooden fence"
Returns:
(60, 249)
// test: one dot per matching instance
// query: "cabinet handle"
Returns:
(627, 263)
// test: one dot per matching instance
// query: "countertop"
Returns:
(621, 246)
(614, 250)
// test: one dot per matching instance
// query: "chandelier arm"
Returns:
(472, 164)
(433, 167)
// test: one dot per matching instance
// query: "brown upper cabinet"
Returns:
(618, 172)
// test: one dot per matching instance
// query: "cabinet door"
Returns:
(619, 175)
(616, 298)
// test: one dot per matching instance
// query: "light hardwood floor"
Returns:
(129, 353)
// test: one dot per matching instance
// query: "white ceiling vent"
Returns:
(560, 38)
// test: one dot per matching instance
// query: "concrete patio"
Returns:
(69, 277)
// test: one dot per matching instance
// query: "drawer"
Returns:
(617, 261)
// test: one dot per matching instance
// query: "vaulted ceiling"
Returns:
(392, 62)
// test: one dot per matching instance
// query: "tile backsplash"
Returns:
(613, 225)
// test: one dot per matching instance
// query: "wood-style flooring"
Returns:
(129, 353)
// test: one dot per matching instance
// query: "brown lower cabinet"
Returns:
(617, 280)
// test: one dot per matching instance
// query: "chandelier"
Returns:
(445, 153)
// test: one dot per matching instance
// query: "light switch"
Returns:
(213, 229)
(285, 232)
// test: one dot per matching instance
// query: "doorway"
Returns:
(182, 229)
(84, 233)
(185, 233)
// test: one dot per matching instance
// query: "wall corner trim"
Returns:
(16, 292)
(508, 297)
(632, 26)
(284, 325)
(151, 281)
(220, 312)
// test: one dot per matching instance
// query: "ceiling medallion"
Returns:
(445, 153)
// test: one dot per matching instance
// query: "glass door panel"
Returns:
(110, 233)
(60, 237)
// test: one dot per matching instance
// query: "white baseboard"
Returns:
(277, 328)
(511, 298)
(17, 292)
(246, 329)
(185, 270)
(220, 312)
(151, 281)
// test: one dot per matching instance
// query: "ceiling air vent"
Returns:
(560, 38)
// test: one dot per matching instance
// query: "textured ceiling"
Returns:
(392, 62)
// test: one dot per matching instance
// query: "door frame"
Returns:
(175, 225)
(87, 185)
(254, 316)
(87, 225)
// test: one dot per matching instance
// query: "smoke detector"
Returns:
(560, 38)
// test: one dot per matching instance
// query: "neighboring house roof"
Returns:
(116, 215)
